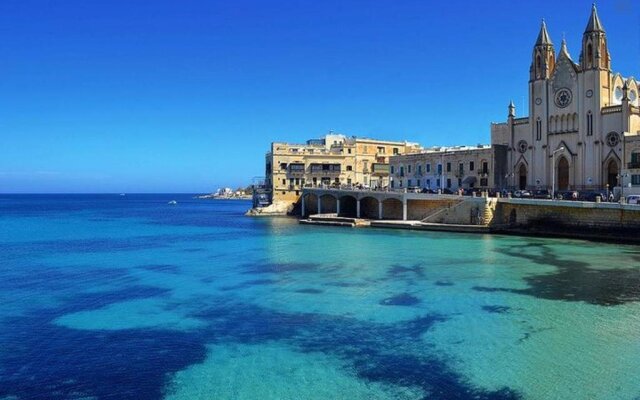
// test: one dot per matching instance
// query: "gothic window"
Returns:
(538, 65)
(589, 123)
(612, 139)
(538, 129)
(589, 55)
(522, 146)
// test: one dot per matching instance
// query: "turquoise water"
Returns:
(111, 297)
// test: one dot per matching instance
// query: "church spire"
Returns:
(594, 24)
(543, 36)
(564, 52)
(595, 52)
(543, 58)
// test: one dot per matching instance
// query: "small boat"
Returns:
(122, 194)
(172, 203)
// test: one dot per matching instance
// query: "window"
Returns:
(349, 168)
(393, 184)
(635, 158)
(461, 168)
(409, 168)
(459, 182)
(284, 181)
(419, 169)
(409, 183)
(589, 123)
(418, 182)
(349, 151)
(439, 170)
(381, 150)
(400, 182)
(428, 182)
(428, 167)
(471, 165)
(283, 166)
(538, 129)
(438, 182)
(401, 171)
(392, 169)
(448, 167)
(484, 182)
(348, 181)
(291, 181)
(395, 151)
(485, 167)
(635, 180)
(448, 183)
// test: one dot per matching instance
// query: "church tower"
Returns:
(595, 52)
(595, 64)
(543, 59)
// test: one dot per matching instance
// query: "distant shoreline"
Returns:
(212, 197)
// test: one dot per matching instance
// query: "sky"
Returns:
(186, 96)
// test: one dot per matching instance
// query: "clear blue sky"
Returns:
(185, 96)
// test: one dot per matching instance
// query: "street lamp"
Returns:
(622, 176)
(553, 172)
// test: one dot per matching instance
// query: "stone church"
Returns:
(581, 117)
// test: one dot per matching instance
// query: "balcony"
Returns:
(325, 169)
(295, 170)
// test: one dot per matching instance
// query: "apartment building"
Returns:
(334, 159)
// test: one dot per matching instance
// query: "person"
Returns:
(574, 195)
(611, 197)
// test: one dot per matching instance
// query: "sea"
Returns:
(128, 297)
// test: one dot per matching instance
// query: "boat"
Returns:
(122, 194)
(172, 203)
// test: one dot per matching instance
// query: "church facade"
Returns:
(583, 124)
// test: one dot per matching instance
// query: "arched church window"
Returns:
(589, 55)
(589, 123)
(538, 65)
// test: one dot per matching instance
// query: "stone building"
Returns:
(451, 168)
(332, 160)
(581, 116)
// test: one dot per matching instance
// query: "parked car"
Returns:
(592, 196)
(541, 194)
(522, 194)
(567, 195)
(428, 190)
(633, 199)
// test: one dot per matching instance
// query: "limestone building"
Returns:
(450, 168)
(583, 120)
(332, 160)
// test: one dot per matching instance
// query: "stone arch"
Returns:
(310, 204)
(348, 206)
(562, 174)
(392, 209)
(612, 173)
(369, 207)
(329, 204)
(522, 176)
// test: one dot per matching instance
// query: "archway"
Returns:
(522, 177)
(369, 208)
(328, 204)
(563, 174)
(310, 204)
(348, 206)
(612, 174)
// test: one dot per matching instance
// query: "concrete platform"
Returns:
(431, 226)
